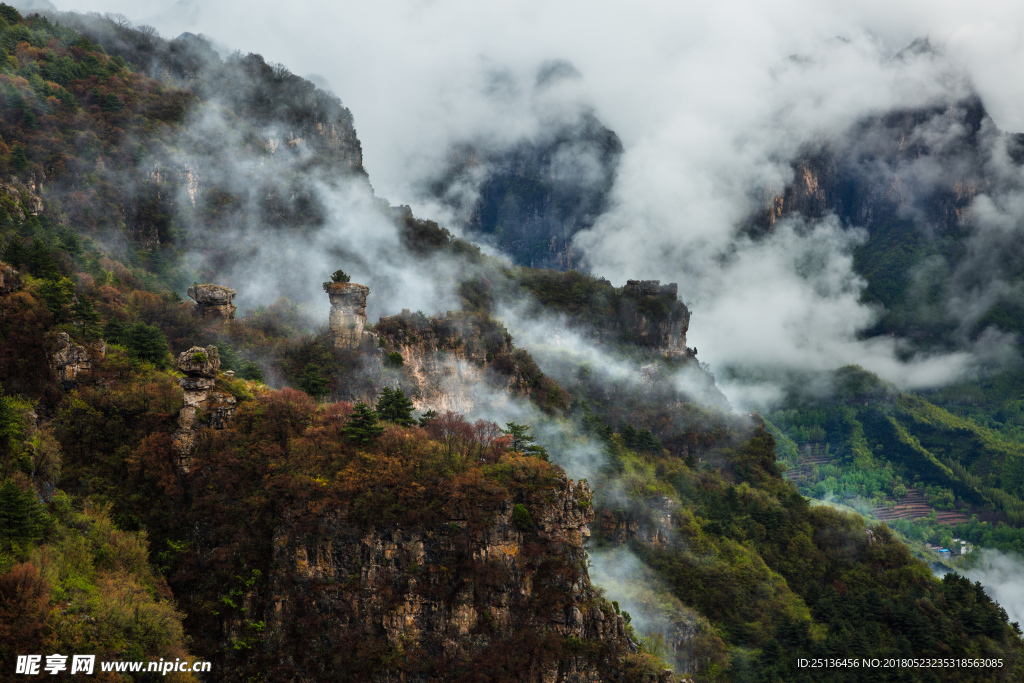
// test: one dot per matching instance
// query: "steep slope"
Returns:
(306, 541)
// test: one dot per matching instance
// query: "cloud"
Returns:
(1002, 576)
(711, 101)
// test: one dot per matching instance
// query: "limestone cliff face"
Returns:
(646, 314)
(464, 594)
(348, 313)
(875, 174)
(651, 526)
(446, 360)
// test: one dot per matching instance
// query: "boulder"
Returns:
(70, 360)
(213, 301)
(199, 362)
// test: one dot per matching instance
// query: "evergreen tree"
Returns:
(596, 426)
(639, 439)
(115, 332)
(22, 517)
(85, 313)
(58, 295)
(523, 442)
(112, 103)
(394, 406)
(147, 343)
(15, 253)
(11, 425)
(40, 261)
(522, 518)
(19, 160)
(313, 382)
(336, 277)
(251, 371)
(362, 425)
(426, 418)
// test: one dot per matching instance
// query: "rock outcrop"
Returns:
(446, 360)
(348, 313)
(213, 301)
(202, 402)
(26, 202)
(650, 288)
(659, 320)
(69, 360)
(10, 280)
(477, 588)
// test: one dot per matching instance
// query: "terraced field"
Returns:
(911, 506)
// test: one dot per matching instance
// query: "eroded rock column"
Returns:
(202, 402)
(348, 313)
(213, 301)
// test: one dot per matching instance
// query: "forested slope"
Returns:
(301, 537)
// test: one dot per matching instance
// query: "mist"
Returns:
(711, 103)
(1002, 575)
(653, 609)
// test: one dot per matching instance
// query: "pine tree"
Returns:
(394, 406)
(19, 160)
(639, 439)
(362, 426)
(22, 517)
(313, 382)
(115, 332)
(40, 261)
(336, 277)
(85, 313)
(523, 442)
(147, 343)
(58, 294)
(15, 253)
(251, 371)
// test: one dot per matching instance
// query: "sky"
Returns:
(711, 102)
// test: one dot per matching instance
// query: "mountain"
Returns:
(294, 475)
(529, 200)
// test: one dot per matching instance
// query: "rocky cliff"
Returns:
(443, 361)
(460, 360)
(481, 592)
(926, 163)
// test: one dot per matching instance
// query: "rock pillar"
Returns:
(213, 301)
(348, 313)
(200, 367)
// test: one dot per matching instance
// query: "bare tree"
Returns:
(148, 34)
(119, 19)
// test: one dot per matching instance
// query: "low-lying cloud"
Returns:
(712, 103)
